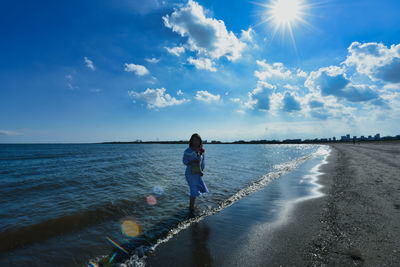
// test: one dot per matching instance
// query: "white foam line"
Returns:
(255, 186)
(253, 241)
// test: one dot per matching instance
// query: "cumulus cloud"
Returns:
(177, 50)
(156, 98)
(390, 72)
(179, 92)
(363, 85)
(89, 63)
(290, 103)
(206, 96)
(273, 81)
(203, 64)
(137, 69)
(315, 104)
(208, 37)
(375, 60)
(152, 60)
(258, 99)
(333, 81)
(277, 70)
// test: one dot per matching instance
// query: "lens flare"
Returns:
(130, 228)
(93, 264)
(116, 245)
(151, 200)
(157, 190)
(112, 258)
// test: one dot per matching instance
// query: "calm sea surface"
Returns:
(66, 204)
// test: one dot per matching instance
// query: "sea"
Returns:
(112, 204)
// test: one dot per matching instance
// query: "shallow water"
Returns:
(59, 202)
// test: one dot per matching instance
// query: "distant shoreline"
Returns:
(289, 141)
(272, 142)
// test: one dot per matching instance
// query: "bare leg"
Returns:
(191, 206)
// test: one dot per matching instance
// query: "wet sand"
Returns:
(357, 222)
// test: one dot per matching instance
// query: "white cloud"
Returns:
(274, 70)
(179, 92)
(156, 98)
(206, 96)
(68, 77)
(152, 60)
(137, 69)
(301, 73)
(365, 85)
(177, 50)
(89, 63)
(290, 103)
(247, 36)
(375, 60)
(333, 81)
(9, 133)
(206, 36)
(202, 64)
(258, 99)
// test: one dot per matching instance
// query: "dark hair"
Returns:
(195, 135)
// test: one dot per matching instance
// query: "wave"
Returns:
(148, 241)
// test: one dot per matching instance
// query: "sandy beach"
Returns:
(356, 222)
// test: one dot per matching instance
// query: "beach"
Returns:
(355, 223)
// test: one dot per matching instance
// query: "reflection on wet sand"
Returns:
(200, 254)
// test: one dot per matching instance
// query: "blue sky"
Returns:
(93, 71)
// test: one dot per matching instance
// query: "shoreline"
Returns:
(242, 233)
(355, 223)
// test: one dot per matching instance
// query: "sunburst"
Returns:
(285, 15)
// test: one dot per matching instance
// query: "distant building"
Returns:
(334, 139)
(345, 137)
(378, 136)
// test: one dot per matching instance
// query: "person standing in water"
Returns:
(193, 158)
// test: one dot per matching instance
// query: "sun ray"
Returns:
(284, 16)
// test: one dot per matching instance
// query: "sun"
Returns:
(284, 15)
(285, 12)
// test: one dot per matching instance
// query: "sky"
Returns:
(96, 71)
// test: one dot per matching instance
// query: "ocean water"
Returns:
(81, 204)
